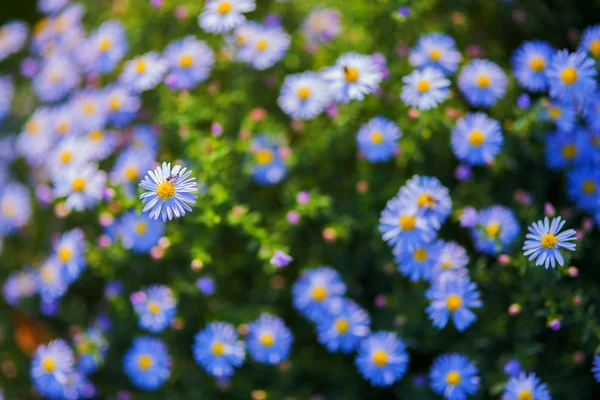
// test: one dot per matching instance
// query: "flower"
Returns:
(265, 46)
(378, 139)
(268, 166)
(91, 346)
(482, 83)
(58, 77)
(122, 106)
(566, 149)
(571, 76)
(303, 96)
(476, 139)
(51, 6)
(143, 72)
(6, 95)
(169, 191)
(220, 16)
(526, 387)
(147, 363)
(404, 227)
(322, 25)
(596, 368)
(497, 227)
(217, 349)
(563, 115)
(425, 89)
(268, 339)
(280, 259)
(590, 41)
(52, 364)
(352, 77)
(454, 376)
(530, 61)
(51, 283)
(143, 138)
(419, 263)
(19, 284)
(104, 142)
(13, 36)
(315, 289)
(190, 61)
(453, 297)
(512, 367)
(452, 260)
(70, 152)
(544, 242)
(156, 307)
(344, 327)
(129, 167)
(140, 233)
(206, 285)
(63, 122)
(431, 198)
(36, 137)
(582, 187)
(15, 207)
(104, 49)
(82, 185)
(435, 50)
(90, 108)
(69, 251)
(382, 358)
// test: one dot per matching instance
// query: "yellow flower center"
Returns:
(304, 93)
(218, 349)
(261, 45)
(350, 74)
(140, 228)
(548, 241)
(423, 86)
(47, 274)
(319, 293)
(96, 135)
(407, 222)
(537, 64)
(453, 378)
(435, 55)
(114, 104)
(131, 173)
(89, 109)
(65, 157)
(453, 302)
(267, 339)
(476, 138)
(186, 61)
(104, 45)
(140, 66)
(420, 255)
(224, 8)
(380, 358)
(525, 395)
(153, 307)
(165, 190)
(483, 81)
(62, 127)
(446, 265)
(48, 365)
(492, 229)
(425, 200)
(8, 210)
(554, 112)
(144, 362)
(568, 75)
(78, 184)
(32, 127)
(83, 347)
(595, 48)
(589, 187)
(569, 151)
(376, 137)
(342, 325)
(64, 254)
(264, 156)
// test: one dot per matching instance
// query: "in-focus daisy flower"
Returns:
(156, 307)
(482, 83)
(382, 358)
(526, 387)
(430, 197)
(103, 142)
(140, 233)
(452, 260)
(36, 137)
(403, 226)
(530, 61)
(170, 191)
(81, 185)
(572, 76)
(268, 339)
(52, 364)
(147, 363)
(15, 207)
(122, 106)
(13, 36)
(220, 16)
(322, 25)
(69, 251)
(129, 167)
(265, 47)
(268, 166)
(51, 283)
(190, 61)
(590, 41)
(497, 227)
(91, 110)
(425, 89)
(544, 242)
(217, 349)
(454, 376)
(345, 326)
(476, 139)
(6, 95)
(57, 78)
(315, 289)
(583, 185)
(20, 284)
(91, 346)
(303, 96)
(143, 72)
(566, 149)
(51, 6)
(419, 263)
(70, 152)
(105, 47)
(563, 115)
(352, 77)
(378, 139)
(596, 368)
(453, 297)
(435, 50)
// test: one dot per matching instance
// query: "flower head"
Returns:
(482, 83)
(345, 325)
(530, 62)
(526, 387)
(352, 77)
(147, 363)
(497, 227)
(322, 25)
(453, 297)
(265, 46)
(378, 139)
(303, 96)
(220, 16)
(143, 72)
(454, 376)
(51, 366)
(156, 307)
(419, 263)
(268, 340)
(69, 252)
(313, 291)
(571, 77)
(104, 49)
(477, 139)
(217, 349)
(382, 358)
(544, 242)
(435, 50)
(268, 167)
(425, 89)
(81, 185)
(15, 207)
(190, 61)
(140, 233)
(431, 198)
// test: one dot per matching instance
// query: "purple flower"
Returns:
(468, 217)
(404, 11)
(554, 324)
(273, 20)
(303, 197)
(512, 367)
(463, 172)
(206, 285)
(280, 259)
(523, 101)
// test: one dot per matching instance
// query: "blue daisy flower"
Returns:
(453, 297)
(104, 142)
(352, 77)
(81, 185)
(344, 327)
(582, 187)
(266, 46)
(322, 25)
(91, 346)
(571, 76)
(303, 96)
(20, 284)
(269, 340)
(36, 137)
(15, 207)
(268, 166)
(435, 50)
(129, 167)
(430, 197)
(563, 115)
(69, 251)
(70, 152)
(51, 283)
(122, 106)
(590, 41)
(147, 363)
(143, 72)
(596, 368)
(526, 387)
(544, 242)
(382, 358)
(140, 233)
(63, 122)
(482, 83)
(404, 227)
(452, 260)
(170, 191)
(143, 138)
(419, 263)
(58, 77)
(315, 289)
(190, 61)
(529, 64)
(155, 306)
(497, 227)
(217, 349)
(566, 149)
(104, 49)
(378, 139)
(425, 89)
(52, 364)
(454, 376)
(13, 36)
(477, 139)
(6, 95)
(90, 108)
(220, 16)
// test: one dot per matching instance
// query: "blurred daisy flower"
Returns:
(81, 185)
(566, 149)
(404, 227)
(169, 192)
(122, 106)
(13, 36)
(268, 339)
(419, 263)
(50, 280)
(322, 25)
(345, 326)
(155, 307)
(57, 78)
(90, 108)
(596, 368)
(104, 49)
(544, 242)
(382, 358)
(144, 72)
(147, 363)
(453, 298)
(454, 376)
(378, 139)
(591, 112)
(582, 187)
(590, 41)
(453, 259)
(352, 77)
(315, 289)
(563, 115)
(526, 387)
(103, 142)
(303, 96)
(482, 83)
(69, 251)
(435, 50)
(220, 16)
(266, 46)
(129, 167)
(430, 197)
(425, 89)
(52, 364)
(476, 139)
(217, 349)
(497, 227)
(20, 284)
(190, 61)
(572, 76)
(268, 167)
(91, 346)
(15, 207)
(70, 152)
(36, 137)
(6, 95)
(51, 6)
(63, 122)
(530, 61)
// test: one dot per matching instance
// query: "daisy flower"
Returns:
(591, 112)
(322, 25)
(382, 358)
(57, 78)
(572, 76)
(266, 46)
(81, 185)
(143, 72)
(190, 61)
(452, 260)
(482, 83)
(144, 138)
(268, 339)
(378, 139)
(103, 142)
(13, 36)
(129, 168)
(430, 197)
(404, 227)
(303, 96)
(563, 115)
(352, 77)
(6, 95)
(50, 367)
(50, 280)
(155, 306)
(590, 41)
(497, 227)
(425, 89)
(140, 233)
(544, 242)
(147, 363)
(15, 207)
(476, 139)
(217, 349)
(526, 387)
(51, 6)
(220, 16)
(91, 346)
(20, 284)
(530, 61)
(345, 326)
(566, 149)
(169, 191)
(453, 298)
(268, 167)
(71, 152)
(418, 264)
(36, 137)
(63, 122)
(104, 49)
(582, 187)
(122, 106)
(69, 251)
(90, 108)
(454, 376)
(315, 289)
(596, 368)
(435, 50)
